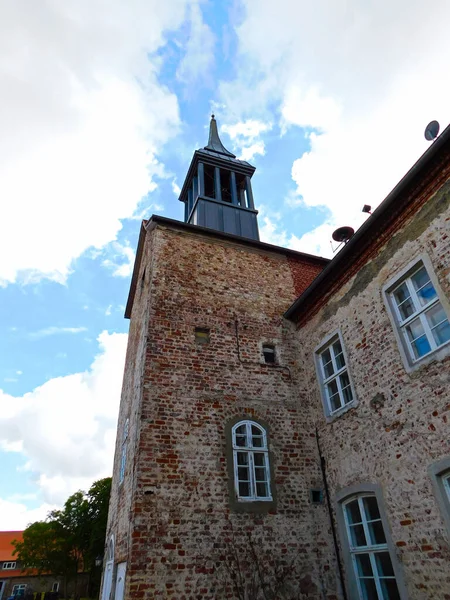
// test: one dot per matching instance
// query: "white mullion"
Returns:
(252, 477)
(376, 577)
(236, 476)
(341, 395)
(364, 521)
(427, 330)
(358, 579)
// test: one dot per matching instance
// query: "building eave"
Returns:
(371, 233)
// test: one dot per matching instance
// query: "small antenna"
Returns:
(342, 235)
(431, 131)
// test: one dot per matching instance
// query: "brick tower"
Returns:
(215, 456)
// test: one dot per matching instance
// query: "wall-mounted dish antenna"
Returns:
(342, 235)
(431, 131)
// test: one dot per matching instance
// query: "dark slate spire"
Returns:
(214, 142)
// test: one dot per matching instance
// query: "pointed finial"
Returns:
(214, 142)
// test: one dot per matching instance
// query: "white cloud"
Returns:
(121, 261)
(65, 429)
(176, 188)
(246, 136)
(198, 59)
(82, 115)
(363, 80)
(249, 152)
(53, 330)
(15, 516)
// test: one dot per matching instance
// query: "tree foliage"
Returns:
(70, 539)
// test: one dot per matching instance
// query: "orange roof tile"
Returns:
(6, 547)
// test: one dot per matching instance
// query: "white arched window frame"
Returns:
(123, 457)
(251, 462)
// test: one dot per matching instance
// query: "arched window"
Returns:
(251, 462)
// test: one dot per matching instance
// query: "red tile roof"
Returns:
(6, 547)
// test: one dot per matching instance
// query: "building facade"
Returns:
(283, 422)
(19, 582)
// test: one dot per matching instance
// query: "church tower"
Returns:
(215, 456)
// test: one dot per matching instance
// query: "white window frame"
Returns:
(399, 324)
(9, 565)
(55, 586)
(249, 450)
(369, 549)
(440, 478)
(123, 454)
(324, 380)
(17, 587)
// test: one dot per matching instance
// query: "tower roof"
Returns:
(214, 142)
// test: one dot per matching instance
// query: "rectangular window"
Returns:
(369, 552)
(19, 589)
(9, 565)
(334, 378)
(421, 319)
(55, 586)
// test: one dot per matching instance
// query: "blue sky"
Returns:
(101, 107)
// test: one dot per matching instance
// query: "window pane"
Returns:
(369, 590)
(327, 364)
(259, 459)
(416, 335)
(346, 388)
(442, 333)
(404, 301)
(376, 532)
(371, 508)
(243, 474)
(333, 395)
(384, 564)
(241, 435)
(260, 474)
(353, 512)
(338, 355)
(421, 346)
(261, 489)
(437, 319)
(363, 565)
(423, 286)
(357, 535)
(242, 458)
(244, 488)
(257, 437)
(390, 589)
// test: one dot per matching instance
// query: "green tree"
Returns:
(70, 539)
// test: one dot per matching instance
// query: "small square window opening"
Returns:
(202, 335)
(316, 496)
(269, 354)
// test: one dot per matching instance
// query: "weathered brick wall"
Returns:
(180, 517)
(394, 444)
(120, 508)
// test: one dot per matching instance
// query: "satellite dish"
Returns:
(431, 131)
(343, 234)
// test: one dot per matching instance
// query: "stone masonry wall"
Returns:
(391, 443)
(181, 524)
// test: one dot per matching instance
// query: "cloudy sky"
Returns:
(102, 103)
